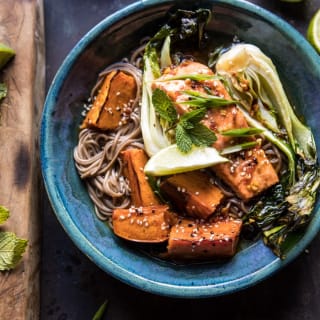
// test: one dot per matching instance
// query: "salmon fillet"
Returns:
(247, 174)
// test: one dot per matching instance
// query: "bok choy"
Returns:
(253, 79)
(183, 25)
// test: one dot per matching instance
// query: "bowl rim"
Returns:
(71, 228)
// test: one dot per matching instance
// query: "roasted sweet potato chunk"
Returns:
(191, 239)
(134, 161)
(193, 193)
(142, 224)
(111, 106)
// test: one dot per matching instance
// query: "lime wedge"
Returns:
(6, 53)
(170, 160)
(313, 32)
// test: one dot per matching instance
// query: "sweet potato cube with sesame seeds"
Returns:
(134, 161)
(110, 107)
(248, 173)
(149, 224)
(191, 239)
(193, 193)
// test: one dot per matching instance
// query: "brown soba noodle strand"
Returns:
(97, 153)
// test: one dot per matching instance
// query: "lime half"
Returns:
(313, 33)
(6, 53)
(170, 160)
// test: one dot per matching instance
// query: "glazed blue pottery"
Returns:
(110, 41)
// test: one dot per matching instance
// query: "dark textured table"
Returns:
(72, 287)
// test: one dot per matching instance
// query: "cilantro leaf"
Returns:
(4, 214)
(183, 140)
(11, 250)
(3, 91)
(164, 106)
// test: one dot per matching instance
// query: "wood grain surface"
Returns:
(21, 27)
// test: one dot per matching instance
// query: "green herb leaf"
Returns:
(183, 140)
(202, 136)
(164, 106)
(193, 117)
(99, 314)
(4, 214)
(3, 91)
(241, 132)
(11, 250)
(189, 131)
(207, 101)
(238, 147)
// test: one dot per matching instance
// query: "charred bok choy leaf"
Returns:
(183, 26)
(253, 79)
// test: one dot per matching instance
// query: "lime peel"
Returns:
(6, 53)
(313, 32)
(170, 160)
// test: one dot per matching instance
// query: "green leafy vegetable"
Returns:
(100, 312)
(164, 106)
(184, 26)
(287, 207)
(239, 147)
(11, 250)
(262, 77)
(241, 132)
(4, 214)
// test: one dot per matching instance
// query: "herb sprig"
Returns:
(188, 129)
(11, 247)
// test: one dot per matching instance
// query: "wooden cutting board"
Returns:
(22, 28)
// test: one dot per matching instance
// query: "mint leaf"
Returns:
(11, 250)
(164, 106)
(183, 140)
(3, 91)
(193, 117)
(202, 136)
(4, 214)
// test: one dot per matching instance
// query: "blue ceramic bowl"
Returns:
(111, 40)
